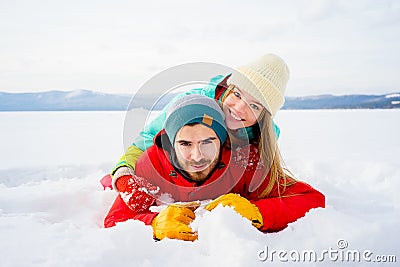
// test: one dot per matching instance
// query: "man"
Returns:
(190, 161)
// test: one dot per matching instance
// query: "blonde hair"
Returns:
(270, 155)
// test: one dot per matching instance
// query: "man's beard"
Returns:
(196, 176)
(204, 174)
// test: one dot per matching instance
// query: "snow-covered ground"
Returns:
(52, 205)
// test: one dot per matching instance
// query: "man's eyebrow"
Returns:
(182, 141)
(211, 138)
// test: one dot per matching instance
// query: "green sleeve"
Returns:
(128, 159)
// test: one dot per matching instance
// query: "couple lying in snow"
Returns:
(213, 146)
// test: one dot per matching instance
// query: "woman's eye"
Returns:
(237, 94)
(255, 107)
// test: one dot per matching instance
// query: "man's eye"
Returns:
(237, 94)
(185, 144)
(206, 142)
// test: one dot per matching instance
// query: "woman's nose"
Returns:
(240, 106)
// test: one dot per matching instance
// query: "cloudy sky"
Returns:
(331, 47)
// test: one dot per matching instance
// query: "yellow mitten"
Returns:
(241, 206)
(173, 222)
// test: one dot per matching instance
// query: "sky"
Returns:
(331, 47)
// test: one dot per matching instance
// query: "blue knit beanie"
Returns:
(195, 109)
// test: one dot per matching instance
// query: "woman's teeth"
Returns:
(235, 117)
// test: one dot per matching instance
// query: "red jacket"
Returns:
(233, 174)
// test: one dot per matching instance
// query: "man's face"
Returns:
(197, 149)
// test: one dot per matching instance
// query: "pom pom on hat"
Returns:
(195, 109)
(265, 79)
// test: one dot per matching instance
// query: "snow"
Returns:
(392, 95)
(76, 93)
(52, 204)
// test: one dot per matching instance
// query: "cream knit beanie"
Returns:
(265, 79)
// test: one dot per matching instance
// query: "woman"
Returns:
(250, 99)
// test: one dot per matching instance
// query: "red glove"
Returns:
(137, 193)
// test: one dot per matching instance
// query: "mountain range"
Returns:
(82, 100)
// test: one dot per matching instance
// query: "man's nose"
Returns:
(196, 153)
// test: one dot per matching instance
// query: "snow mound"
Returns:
(51, 213)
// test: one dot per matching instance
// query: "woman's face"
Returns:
(241, 109)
